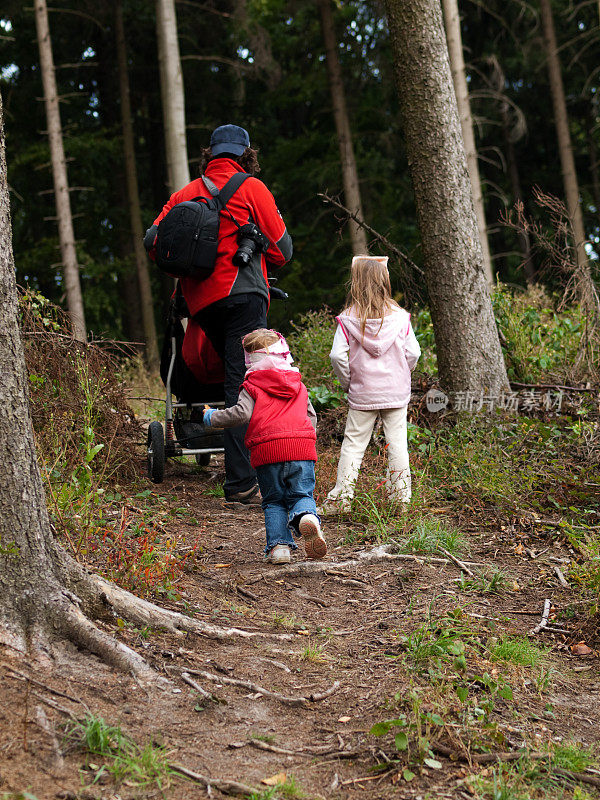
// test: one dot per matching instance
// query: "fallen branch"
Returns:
(561, 578)
(225, 786)
(196, 686)
(385, 242)
(544, 620)
(460, 564)
(255, 688)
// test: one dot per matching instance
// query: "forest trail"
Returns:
(389, 631)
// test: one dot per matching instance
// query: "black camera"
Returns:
(250, 241)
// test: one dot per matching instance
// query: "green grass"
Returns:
(290, 790)
(429, 534)
(490, 582)
(214, 491)
(314, 654)
(124, 759)
(517, 651)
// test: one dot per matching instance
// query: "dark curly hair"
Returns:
(248, 161)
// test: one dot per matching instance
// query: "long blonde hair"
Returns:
(369, 289)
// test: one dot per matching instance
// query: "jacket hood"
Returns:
(378, 337)
(276, 382)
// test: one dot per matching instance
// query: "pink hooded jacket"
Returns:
(375, 368)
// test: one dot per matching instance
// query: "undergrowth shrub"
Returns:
(539, 342)
(78, 405)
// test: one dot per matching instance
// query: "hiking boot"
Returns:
(310, 530)
(280, 554)
(251, 497)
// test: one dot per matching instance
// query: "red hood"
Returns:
(276, 382)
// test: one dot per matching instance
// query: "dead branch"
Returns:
(561, 578)
(255, 688)
(544, 620)
(196, 686)
(384, 241)
(460, 564)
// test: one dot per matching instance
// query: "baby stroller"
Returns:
(192, 371)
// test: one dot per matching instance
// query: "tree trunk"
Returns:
(342, 124)
(173, 98)
(457, 67)
(565, 148)
(593, 156)
(468, 349)
(66, 234)
(133, 196)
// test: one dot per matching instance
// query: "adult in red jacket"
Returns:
(233, 301)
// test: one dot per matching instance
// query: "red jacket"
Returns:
(252, 202)
(279, 429)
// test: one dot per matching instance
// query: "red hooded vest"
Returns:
(279, 429)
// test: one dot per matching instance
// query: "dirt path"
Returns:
(386, 630)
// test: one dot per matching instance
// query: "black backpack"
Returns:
(187, 237)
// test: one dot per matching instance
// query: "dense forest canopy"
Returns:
(261, 64)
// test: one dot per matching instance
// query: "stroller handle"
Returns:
(277, 294)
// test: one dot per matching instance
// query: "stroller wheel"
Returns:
(203, 459)
(156, 452)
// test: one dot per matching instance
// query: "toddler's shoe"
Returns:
(280, 554)
(314, 543)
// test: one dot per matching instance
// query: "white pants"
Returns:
(359, 427)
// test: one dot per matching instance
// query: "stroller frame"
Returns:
(164, 444)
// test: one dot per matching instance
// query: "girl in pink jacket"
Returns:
(374, 352)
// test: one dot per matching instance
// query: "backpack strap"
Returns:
(230, 188)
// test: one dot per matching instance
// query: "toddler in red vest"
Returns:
(281, 438)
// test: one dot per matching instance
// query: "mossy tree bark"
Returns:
(468, 348)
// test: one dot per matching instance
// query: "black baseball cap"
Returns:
(229, 139)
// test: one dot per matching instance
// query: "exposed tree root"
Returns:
(254, 687)
(225, 786)
(377, 554)
(143, 613)
(75, 626)
(309, 752)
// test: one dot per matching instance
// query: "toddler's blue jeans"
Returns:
(287, 490)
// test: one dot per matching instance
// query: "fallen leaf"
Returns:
(433, 763)
(303, 633)
(275, 780)
(221, 566)
(581, 649)
(516, 586)
(519, 549)
(344, 719)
